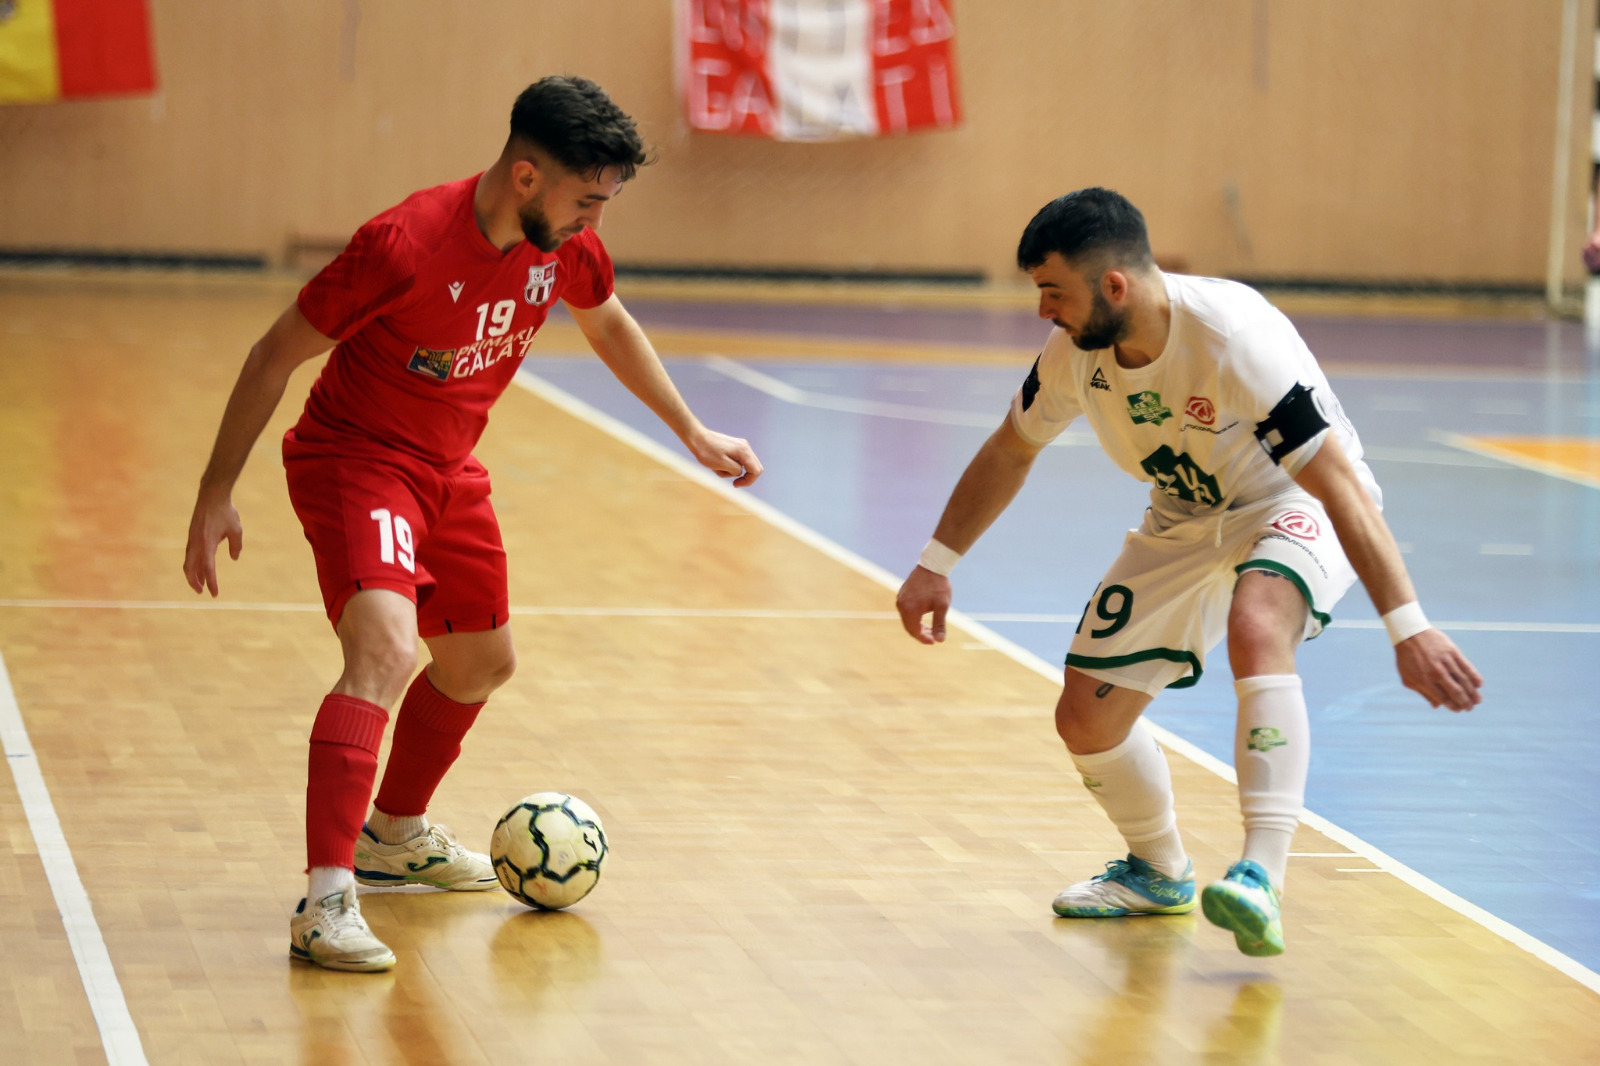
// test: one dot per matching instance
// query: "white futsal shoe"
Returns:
(433, 858)
(1129, 886)
(332, 934)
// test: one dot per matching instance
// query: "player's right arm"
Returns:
(988, 485)
(292, 340)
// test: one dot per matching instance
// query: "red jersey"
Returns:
(432, 321)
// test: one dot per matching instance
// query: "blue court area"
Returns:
(1497, 805)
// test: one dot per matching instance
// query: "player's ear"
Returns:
(1114, 286)
(525, 177)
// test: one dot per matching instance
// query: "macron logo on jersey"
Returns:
(455, 290)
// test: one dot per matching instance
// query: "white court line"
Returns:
(117, 1032)
(782, 390)
(668, 611)
(692, 471)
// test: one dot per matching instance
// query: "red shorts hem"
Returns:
(481, 623)
(336, 605)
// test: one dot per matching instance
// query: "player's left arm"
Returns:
(619, 342)
(1429, 662)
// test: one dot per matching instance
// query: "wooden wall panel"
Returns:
(1358, 139)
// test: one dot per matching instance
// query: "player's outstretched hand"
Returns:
(1591, 253)
(726, 456)
(1432, 665)
(214, 521)
(924, 592)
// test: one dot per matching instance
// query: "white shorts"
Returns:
(1164, 603)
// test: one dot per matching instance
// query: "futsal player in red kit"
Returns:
(429, 311)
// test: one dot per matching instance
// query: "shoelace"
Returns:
(345, 918)
(445, 841)
(1115, 869)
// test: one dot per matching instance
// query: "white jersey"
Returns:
(1234, 404)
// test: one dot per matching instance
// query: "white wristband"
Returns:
(938, 558)
(1405, 622)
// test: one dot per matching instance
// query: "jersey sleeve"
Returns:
(1272, 380)
(590, 278)
(1048, 400)
(373, 273)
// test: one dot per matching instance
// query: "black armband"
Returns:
(1296, 420)
(1030, 387)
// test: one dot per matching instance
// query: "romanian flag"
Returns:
(61, 49)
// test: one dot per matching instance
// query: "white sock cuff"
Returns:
(323, 881)
(1139, 736)
(1249, 686)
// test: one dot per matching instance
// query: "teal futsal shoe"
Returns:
(1129, 886)
(1245, 903)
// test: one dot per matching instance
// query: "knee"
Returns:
(1260, 644)
(379, 666)
(476, 680)
(1080, 729)
(499, 671)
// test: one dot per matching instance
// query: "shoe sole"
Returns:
(1119, 912)
(1252, 931)
(378, 879)
(378, 965)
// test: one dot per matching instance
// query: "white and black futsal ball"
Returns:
(548, 850)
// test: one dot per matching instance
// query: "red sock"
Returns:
(339, 773)
(427, 738)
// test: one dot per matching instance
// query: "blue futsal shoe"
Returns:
(1129, 886)
(1245, 903)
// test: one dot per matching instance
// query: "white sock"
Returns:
(1134, 788)
(1271, 752)
(394, 828)
(326, 880)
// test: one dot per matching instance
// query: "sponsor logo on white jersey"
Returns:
(1298, 524)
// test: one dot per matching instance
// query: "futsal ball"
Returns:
(548, 850)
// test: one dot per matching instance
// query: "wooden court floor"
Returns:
(830, 844)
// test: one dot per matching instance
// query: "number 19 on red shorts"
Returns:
(431, 537)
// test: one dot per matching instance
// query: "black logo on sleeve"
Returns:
(1295, 421)
(1030, 387)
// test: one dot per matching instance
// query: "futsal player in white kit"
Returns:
(1262, 515)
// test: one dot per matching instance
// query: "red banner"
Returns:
(803, 70)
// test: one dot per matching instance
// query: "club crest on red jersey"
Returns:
(431, 363)
(541, 283)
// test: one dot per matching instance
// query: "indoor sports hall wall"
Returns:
(1343, 139)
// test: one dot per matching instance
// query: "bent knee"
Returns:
(1086, 728)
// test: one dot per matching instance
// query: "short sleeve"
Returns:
(1272, 379)
(1048, 400)
(590, 278)
(371, 275)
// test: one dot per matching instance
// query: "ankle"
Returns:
(394, 828)
(324, 881)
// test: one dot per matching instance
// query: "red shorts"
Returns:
(400, 524)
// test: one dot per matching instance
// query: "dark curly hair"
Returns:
(575, 121)
(1095, 224)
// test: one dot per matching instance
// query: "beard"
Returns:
(536, 227)
(1103, 328)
